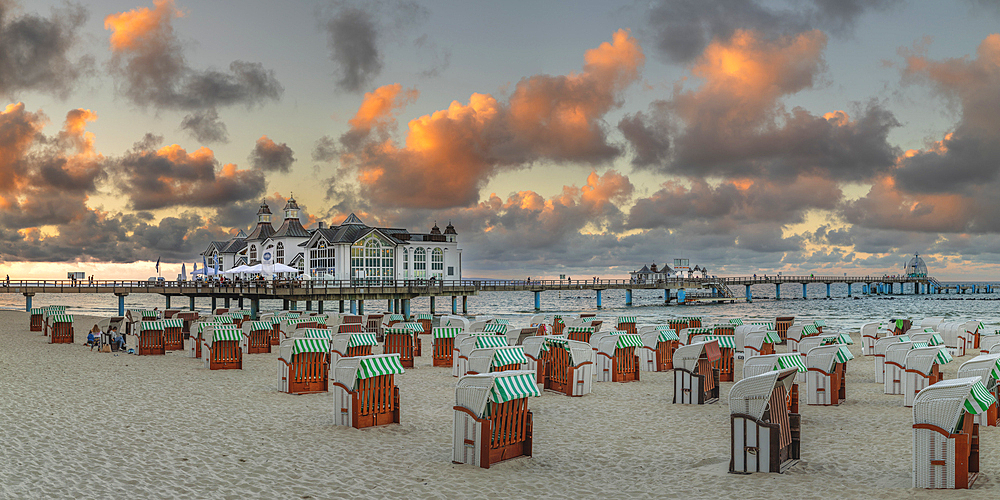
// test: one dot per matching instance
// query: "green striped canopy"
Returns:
(374, 366)
(626, 319)
(398, 331)
(310, 345)
(676, 321)
(995, 371)
(917, 345)
(446, 332)
(699, 331)
(150, 325)
(227, 334)
(736, 322)
(502, 322)
(579, 329)
(414, 327)
(495, 328)
(765, 324)
(509, 356)
(296, 321)
(725, 341)
(903, 338)
(222, 320)
(845, 339)
(556, 339)
(173, 323)
(844, 354)
(935, 340)
(292, 314)
(794, 361)
(425, 316)
(979, 399)
(260, 325)
(36, 310)
(275, 319)
(54, 309)
(362, 339)
(819, 323)
(666, 335)
(244, 312)
(62, 318)
(490, 341)
(772, 337)
(320, 320)
(808, 330)
(150, 314)
(898, 322)
(943, 357)
(317, 333)
(395, 317)
(689, 318)
(628, 340)
(511, 387)
(980, 326)
(830, 340)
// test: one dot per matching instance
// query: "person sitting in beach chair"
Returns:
(94, 340)
(118, 341)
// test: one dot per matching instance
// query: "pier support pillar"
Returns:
(538, 300)
(121, 304)
(681, 296)
(599, 303)
(465, 304)
(666, 295)
(777, 291)
(254, 309)
(433, 304)
(192, 304)
(804, 296)
(454, 305)
(354, 307)
(406, 308)
(361, 307)
(27, 302)
(309, 305)
(848, 289)
(293, 305)
(166, 302)
(214, 305)
(389, 307)
(749, 296)
(628, 297)
(239, 302)
(828, 290)
(226, 300)
(320, 306)
(341, 311)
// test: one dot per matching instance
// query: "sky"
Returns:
(584, 138)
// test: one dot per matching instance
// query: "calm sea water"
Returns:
(838, 312)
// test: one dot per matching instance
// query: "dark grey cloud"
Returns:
(167, 177)
(205, 126)
(683, 28)
(35, 50)
(270, 156)
(649, 140)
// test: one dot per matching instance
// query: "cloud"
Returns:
(735, 123)
(683, 28)
(205, 126)
(270, 156)
(36, 50)
(451, 154)
(170, 176)
(356, 35)
(148, 59)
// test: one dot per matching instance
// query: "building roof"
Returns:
(291, 228)
(352, 220)
(449, 229)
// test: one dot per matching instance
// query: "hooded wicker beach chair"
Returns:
(895, 365)
(657, 351)
(303, 366)
(760, 343)
(922, 368)
(741, 332)
(150, 335)
(258, 336)
(945, 435)
(401, 341)
(62, 329)
(426, 322)
(496, 359)
(35, 319)
(492, 420)
(781, 324)
(173, 334)
(626, 324)
(695, 379)
(616, 359)
(364, 391)
(579, 333)
(727, 349)
(348, 345)
(222, 348)
(870, 333)
(444, 345)
(797, 332)
(878, 351)
(826, 382)
(987, 368)
(455, 322)
(570, 366)
(766, 435)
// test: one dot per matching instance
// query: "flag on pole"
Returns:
(216, 265)
(157, 265)
(204, 263)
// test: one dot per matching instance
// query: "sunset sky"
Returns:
(580, 138)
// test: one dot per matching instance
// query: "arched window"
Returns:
(321, 260)
(253, 252)
(279, 253)
(420, 263)
(437, 262)
(372, 258)
(406, 263)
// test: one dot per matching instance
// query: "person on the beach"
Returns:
(91, 338)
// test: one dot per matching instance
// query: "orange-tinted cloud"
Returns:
(133, 29)
(379, 108)
(450, 154)
(270, 156)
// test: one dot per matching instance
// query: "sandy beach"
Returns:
(82, 424)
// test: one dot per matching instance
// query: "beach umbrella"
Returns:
(282, 268)
(184, 274)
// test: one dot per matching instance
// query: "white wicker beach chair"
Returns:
(797, 332)
(871, 332)
(931, 322)
(570, 366)
(365, 392)
(987, 368)
(826, 380)
(741, 332)
(759, 343)
(881, 345)
(455, 322)
(616, 360)
(536, 352)
(945, 436)
(348, 345)
(922, 370)
(492, 420)
(765, 433)
(303, 366)
(695, 380)
(495, 359)
(895, 365)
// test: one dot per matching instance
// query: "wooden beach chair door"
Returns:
(150, 340)
(374, 324)
(62, 332)
(375, 402)
(443, 347)
(665, 355)
(626, 365)
(259, 338)
(308, 373)
(509, 429)
(225, 355)
(173, 334)
(35, 323)
(350, 328)
(557, 371)
(781, 324)
(275, 333)
(400, 342)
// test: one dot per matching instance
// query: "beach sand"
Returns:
(82, 424)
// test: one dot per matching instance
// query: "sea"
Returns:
(839, 311)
